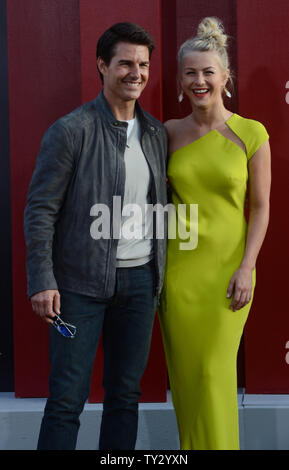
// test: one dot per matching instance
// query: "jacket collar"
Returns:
(146, 123)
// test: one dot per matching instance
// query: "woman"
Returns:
(208, 290)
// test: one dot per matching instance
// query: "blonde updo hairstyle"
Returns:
(210, 37)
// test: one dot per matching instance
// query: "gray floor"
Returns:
(264, 423)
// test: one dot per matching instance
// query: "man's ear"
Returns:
(101, 65)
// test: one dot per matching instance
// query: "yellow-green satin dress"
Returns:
(201, 334)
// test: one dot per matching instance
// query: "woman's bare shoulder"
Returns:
(173, 125)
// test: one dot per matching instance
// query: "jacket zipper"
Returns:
(154, 201)
(111, 221)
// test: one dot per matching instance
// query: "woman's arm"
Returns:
(260, 182)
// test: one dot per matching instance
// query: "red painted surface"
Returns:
(95, 18)
(180, 21)
(44, 83)
(92, 25)
(51, 72)
(263, 38)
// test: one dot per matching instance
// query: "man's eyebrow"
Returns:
(128, 61)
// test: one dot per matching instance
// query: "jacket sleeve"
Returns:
(52, 174)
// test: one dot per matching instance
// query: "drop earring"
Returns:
(181, 96)
(228, 94)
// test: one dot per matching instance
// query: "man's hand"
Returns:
(46, 303)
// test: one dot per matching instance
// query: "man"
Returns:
(107, 150)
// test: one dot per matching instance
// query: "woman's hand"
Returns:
(241, 286)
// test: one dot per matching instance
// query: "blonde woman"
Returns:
(214, 155)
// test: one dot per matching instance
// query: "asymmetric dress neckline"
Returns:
(234, 115)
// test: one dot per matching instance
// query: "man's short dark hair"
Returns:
(122, 32)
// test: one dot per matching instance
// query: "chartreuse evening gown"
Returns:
(201, 334)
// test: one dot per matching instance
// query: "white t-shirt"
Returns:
(133, 248)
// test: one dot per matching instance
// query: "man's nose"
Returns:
(135, 71)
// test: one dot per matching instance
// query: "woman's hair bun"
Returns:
(212, 29)
(210, 36)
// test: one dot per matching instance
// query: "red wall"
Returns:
(51, 49)
(263, 74)
(95, 18)
(44, 83)
(51, 52)
(180, 21)
(92, 25)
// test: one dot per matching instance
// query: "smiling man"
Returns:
(106, 148)
(125, 77)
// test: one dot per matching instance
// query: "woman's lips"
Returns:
(200, 92)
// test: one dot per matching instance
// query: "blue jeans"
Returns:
(126, 322)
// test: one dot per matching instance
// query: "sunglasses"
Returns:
(65, 329)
